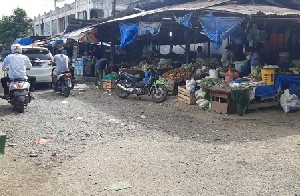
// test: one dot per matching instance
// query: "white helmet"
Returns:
(16, 48)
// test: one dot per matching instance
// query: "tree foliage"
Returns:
(14, 26)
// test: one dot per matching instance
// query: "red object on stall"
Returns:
(90, 37)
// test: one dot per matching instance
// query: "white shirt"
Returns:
(227, 58)
(17, 64)
(62, 62)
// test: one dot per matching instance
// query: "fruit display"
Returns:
(190, 67)
(163, 66)
(176, 75)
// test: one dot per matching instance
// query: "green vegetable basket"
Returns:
(2, 143)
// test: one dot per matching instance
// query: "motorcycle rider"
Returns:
(17, 64)
(62, 62)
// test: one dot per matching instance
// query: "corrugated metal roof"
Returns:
(195, 5)
(77, 34)
(255, 9)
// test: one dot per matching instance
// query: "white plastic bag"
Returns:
(213, 73)
(288, 102)
(200, 94)
(187, 85)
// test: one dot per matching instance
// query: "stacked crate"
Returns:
(108, 85)
(186, 96)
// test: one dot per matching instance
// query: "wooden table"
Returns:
(221, 101)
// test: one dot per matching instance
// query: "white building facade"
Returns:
(56, 21)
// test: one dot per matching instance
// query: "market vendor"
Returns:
(257, 59)
(227, 56)
(231, 74)
(100, 67)
(246, 68)
(200, 53)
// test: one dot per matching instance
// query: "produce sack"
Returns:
(289, 102)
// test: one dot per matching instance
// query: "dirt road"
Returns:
(99, 143)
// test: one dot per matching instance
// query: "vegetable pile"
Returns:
(209, 82)
(176, 75)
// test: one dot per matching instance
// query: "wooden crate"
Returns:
(108, 85)
(221, 101)
(186, 96)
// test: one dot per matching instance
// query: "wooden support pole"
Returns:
(171, 38)
(188, 46)
(113, 47)
(208, 49)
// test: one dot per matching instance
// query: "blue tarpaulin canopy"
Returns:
(56, 42)
(149, 28)
(185, 20)
(24, 41)
(217, 29)
(129, 33)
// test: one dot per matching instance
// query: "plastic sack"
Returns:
(202, 103)
(213, 73)
(200, 94)
(289, 102)
(187, 85)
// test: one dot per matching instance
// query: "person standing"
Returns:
(100, 67)
(257, 57)
(227, 56)
(200, 53)
(246, 68)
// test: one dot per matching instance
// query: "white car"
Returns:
(41, 63)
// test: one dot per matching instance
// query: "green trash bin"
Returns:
(2, 143)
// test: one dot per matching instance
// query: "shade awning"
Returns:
(76, 35)
(190, 6)
(255, 9)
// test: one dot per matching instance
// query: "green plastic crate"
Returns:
(2, 143)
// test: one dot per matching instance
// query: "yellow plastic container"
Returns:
(268, 76)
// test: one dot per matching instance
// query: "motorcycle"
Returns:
(19, 94)
(128, 84)
(65, 81)
(64, 84)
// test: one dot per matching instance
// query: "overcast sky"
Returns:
(32, 7)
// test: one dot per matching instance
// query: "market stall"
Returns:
(257, 66)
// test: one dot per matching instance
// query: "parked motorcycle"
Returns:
(64, 84)
(149, 85)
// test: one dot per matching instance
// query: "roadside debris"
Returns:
(41, 141)
(118, 186)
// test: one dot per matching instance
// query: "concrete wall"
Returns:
(56, 21)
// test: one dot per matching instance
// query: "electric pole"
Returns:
(114, 8)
